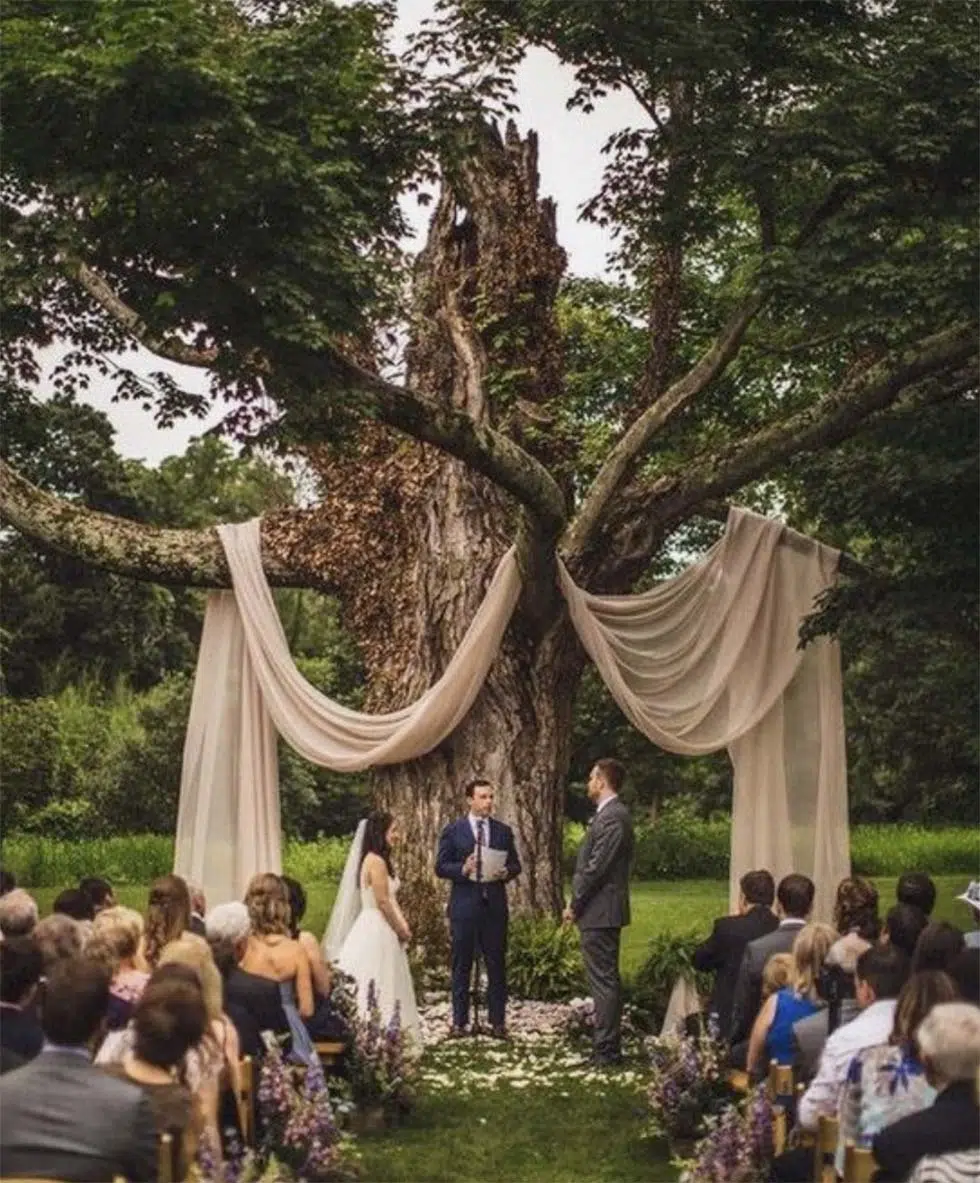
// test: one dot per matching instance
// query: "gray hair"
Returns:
(18, 913)
(949, 1038)
(228, 922)
(59, 938)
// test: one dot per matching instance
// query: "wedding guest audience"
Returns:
(117, 934)
(169, 1019)
(971, 897)
(881, 973)
(794, 900)
(949, 1045)
(903, 926)
(772, 1032)
(199, 906)
(888, 1081)
(60, 939)
(8, 881)
(168, 915)
(721, 954)
(917, 890)
(324, 1023)
(20, 973)
(964, 969)
(272, 953)
(938, 945)
(18, 913)
(74, 903)
(99, 892)
(856, 919)
(62, 1118)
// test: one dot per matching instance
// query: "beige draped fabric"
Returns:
(709, 660)
(704, 661)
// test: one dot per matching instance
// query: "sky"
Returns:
(570, 164)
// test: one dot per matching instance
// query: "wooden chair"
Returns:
(738, 1079)
(779, 1083)
(330, 1052)
(825, 1150)
(859, 1164)
(246, 1100)
(165, 1159)
(779, 1130)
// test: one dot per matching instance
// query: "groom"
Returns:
(600, 904)
(478, 903)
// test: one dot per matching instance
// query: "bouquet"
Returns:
(688, 1082)
(381, 1072)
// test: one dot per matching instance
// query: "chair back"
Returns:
(329, 1051)
(165, 1159)
(246, 1100)
(779, 1083)
(859, 1164)
(779, 1130)
(825, 1150)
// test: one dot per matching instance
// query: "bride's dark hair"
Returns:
(376, 838)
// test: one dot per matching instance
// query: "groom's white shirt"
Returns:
(603, 803)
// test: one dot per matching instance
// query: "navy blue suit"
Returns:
(477, 912)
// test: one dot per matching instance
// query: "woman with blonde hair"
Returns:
(117, 934)
(772, 1033)
(274, 954)
(168, 915)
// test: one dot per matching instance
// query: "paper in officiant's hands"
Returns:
(493, 863)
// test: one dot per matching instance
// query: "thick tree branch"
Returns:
(827, 422)
(177, 557)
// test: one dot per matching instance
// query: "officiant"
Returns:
(477, 855)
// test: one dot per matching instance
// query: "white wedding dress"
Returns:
(372, 952)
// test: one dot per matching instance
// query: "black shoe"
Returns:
(457, 1032)
(499, 1032)
(609, 1060)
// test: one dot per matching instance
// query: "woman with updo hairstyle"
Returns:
(169, 1020)
(117, 934)
(273, 953)
(856, 919)
(168, 915)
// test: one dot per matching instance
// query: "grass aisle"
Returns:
(533, 1112)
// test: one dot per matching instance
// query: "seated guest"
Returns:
(60, 939)
(772, 1032)
(198, 907)
(18, 913)
(168, 915)
(74, 903)
(721, 954)
(971, 897)
(253, 1004)
(938, 946)
(959, 1166)
(881, 973)
(964, 969)
(99, 893)
(887, 1082)
(324, 1023)
(62, 1118)
(917, 890)
(8, 881)
(117, 934)
(949, 1044)
(272, 953)
(20, 972)
(777, 974)
(903, 926)
(170, 1018)
(794, 899)
(856, 919)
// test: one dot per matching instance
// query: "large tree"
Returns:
(218, 181)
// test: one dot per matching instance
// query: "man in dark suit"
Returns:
(600, 903)
(794, 901)
(20, 972)
(949, 1044)
(722, 952)
(63, 1118)
(478, 903)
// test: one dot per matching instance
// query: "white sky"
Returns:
(570, 164)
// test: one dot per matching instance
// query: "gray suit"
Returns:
(748, 989)
(601, 906)
(63, 1118)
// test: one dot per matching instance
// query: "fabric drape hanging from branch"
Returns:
(704, 661)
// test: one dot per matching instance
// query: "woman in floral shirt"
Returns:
(887, 1082)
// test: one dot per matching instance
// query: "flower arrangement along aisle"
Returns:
(738, 1147)
(381, 1070)
(688, 1083)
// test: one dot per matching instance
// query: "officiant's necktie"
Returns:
(480, 843)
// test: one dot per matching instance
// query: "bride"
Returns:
(367, 935)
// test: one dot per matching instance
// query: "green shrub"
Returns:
(47, 862)
(544, 960)
(310, 862)
(892, 849)
(668, 958)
